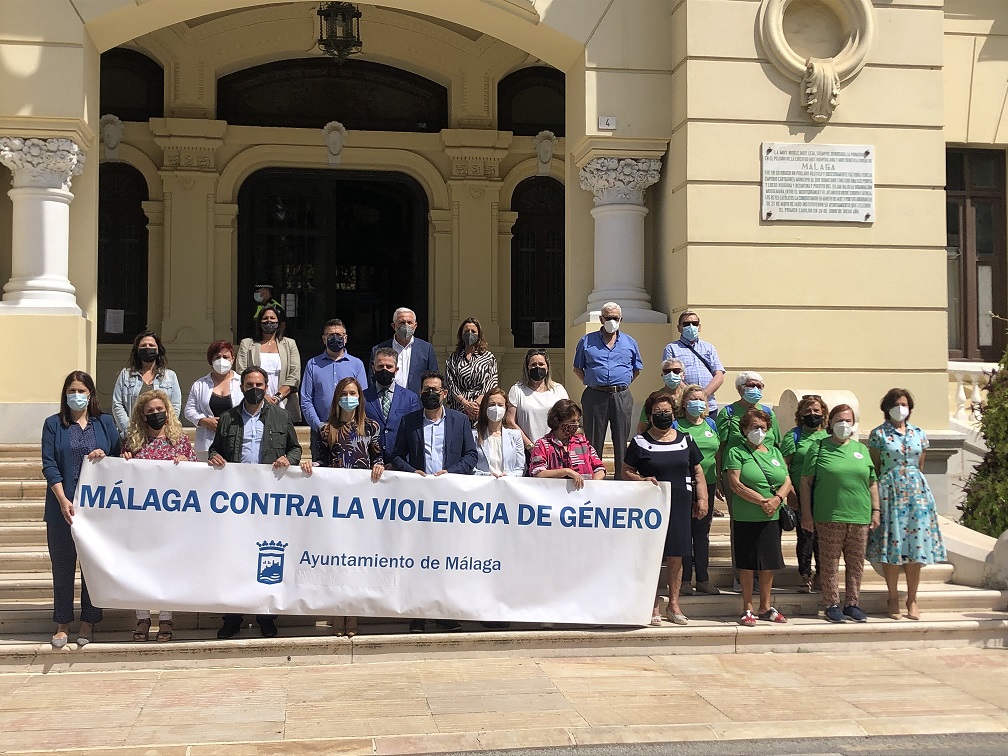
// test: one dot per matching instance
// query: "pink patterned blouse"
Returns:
(161, 448)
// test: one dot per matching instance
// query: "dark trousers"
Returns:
(241, 617)
(603, 410)
(63, 556)
(700, 531)
(808, 545)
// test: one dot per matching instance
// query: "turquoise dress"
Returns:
(908, 531)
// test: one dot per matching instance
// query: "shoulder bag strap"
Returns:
(699, 357)
(765, 476)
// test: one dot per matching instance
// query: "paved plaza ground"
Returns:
(509, 702)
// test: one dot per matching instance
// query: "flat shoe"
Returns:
(894, 612)
(677, 619)
(913, 613)
(83, 640)
(656, 620)
(58, 642)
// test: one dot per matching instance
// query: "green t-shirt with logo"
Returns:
(706, 440)
(806, 439)
(728, 427)
(758, 470)
(843, 475)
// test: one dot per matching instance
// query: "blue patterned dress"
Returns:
(909, 524)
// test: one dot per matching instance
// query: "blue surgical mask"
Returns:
(672, 380)
(691, 332)
(77, 402)
(752, 394)
(349, 403)
(695, 407)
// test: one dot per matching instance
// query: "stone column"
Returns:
(618, 185)
(42, 170)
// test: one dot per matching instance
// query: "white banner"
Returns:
(251, 540)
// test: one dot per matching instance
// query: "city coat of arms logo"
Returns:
(271, 562)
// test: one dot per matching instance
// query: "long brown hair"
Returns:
(359, 416)
(135, 364)
(93, 408)
(806, 404)
(481, 345)
(484, 422)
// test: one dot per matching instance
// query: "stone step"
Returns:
(20, 511)
(198, 648)
(20, 469)
(20, 452)
(23, 534)
(22, 489)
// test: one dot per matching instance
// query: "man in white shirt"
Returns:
(413, 355)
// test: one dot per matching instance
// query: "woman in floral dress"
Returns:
(155, 432)
(908, 534)
(351, 440)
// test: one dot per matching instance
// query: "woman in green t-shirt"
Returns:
(839, 493)
(759, 484)
(809, 430)
(693, 421)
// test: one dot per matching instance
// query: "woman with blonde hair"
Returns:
(672, 372)
(348, 439)
(155, 432)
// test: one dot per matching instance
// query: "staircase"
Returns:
(953, 614)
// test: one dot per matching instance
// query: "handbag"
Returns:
(785, 515)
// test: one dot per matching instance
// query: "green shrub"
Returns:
(986, 507)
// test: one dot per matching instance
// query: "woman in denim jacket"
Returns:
(146, 369)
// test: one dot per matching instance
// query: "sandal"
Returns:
(163, 635)
(912, 611)
(141, 634)
(748, 619)
(772, 615)
(894, 612)
(656, 620)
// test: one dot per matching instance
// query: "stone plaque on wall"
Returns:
(818, 182)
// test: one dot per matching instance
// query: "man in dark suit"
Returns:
(434, 441)
(385, 401)
(254, 432)
(414, 356)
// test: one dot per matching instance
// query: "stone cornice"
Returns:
(476, 154)
(620, 180)
(188, 144)
(590, 147)
(50, 163)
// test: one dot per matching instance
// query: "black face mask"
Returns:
(147, 354)
(269, 326)
(537, 373)
(335, 344)
(156, 420)
(254, 396)
(384, 377)
(430, 399)
(812, 421)
(662, 420)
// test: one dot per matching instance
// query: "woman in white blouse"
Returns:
(277, 355)
(213, 395)
(531, 398)
(501, 451)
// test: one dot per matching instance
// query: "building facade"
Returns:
(520, 161)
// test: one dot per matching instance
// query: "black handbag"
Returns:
(785, 515)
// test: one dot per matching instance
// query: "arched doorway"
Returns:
(537, 264)
(334, 244)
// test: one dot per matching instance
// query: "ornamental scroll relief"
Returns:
(820, 44)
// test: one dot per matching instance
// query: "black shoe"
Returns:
(451, 626)
(268, 628)
(417, 626)
(230, 629)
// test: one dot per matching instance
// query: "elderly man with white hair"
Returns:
(607, 362)
(414, 355)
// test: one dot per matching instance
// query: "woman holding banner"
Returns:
(668, 454)
(564, 452)
(351, 440)
(78, 431)
(499, 443)
(155, 433)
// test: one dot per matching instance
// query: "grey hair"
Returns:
(745, 376)
(670, 362)
(612, 306)
(400, 311)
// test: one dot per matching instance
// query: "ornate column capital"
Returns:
(619, 180)
(46, 163)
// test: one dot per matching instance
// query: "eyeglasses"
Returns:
(690, 323)
(754, 385)
(677, 371)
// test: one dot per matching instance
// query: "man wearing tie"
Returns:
(385, 401)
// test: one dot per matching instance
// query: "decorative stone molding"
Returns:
(335, 140)
(475, 155)
(48, 163)
(619, 180)
(819, 78)
(545, 145)
(475, 166)
(110, 131)
(188, 144)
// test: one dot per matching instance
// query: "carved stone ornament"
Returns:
(620, 180)
(110, 131)
(819, 79)
(545, 146)
(335, 139)
(50, 163)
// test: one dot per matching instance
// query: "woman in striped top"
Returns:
(471, 370)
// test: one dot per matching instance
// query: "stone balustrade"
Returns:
(968, 382)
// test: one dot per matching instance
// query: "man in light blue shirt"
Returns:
(607, 362)
(324, 371)
(252, 433)
(701, 364)
(433, 433)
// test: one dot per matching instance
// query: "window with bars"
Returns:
(537, 264)
(976, 254)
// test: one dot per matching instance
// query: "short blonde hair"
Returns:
(693, 388)
(136, 433)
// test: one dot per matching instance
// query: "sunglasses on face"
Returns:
(690, 323)
(666, 371)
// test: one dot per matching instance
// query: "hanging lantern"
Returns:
(339, 30)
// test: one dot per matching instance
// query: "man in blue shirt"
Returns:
(701, 364)
(324, 371)
(607, 362)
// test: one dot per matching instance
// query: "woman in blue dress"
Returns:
(908, 534)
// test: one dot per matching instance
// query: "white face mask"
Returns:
(611, 325)
(756, 436)
(495, 412)
(899, 413)
(843, 430)
(222, 365)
